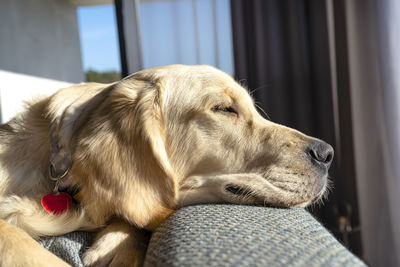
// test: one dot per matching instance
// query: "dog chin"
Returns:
(318, 197)
(238, 190)
(247, 195)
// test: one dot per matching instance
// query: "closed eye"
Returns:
(225, 109)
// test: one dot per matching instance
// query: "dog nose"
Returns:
(321, 153)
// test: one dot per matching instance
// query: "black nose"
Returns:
(321, 153)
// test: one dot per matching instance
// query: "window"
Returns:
(186, 32)
(99, 43)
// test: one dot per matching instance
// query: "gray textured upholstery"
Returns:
(69, 247)
(229, 235)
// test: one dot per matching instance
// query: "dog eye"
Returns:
(225, 109)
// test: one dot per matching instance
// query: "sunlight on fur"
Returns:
(142, 147)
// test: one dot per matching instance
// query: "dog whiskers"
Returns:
(265, 203)
(262, 110)
(251, 92)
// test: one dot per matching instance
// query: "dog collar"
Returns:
(58, 202)
(60, 158)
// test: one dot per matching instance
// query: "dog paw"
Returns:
(117, 245)
(103, 251)
(121, 256)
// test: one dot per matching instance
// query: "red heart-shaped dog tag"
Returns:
(56, 203)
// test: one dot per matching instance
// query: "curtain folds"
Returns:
(331, 69)
(282, 51)
(373, 34)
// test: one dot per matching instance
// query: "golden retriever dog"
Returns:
(138, 149)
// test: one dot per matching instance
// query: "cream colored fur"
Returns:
(157, 140)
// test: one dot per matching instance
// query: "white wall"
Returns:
(40, 38)
(17, 88)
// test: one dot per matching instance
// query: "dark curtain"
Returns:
(282, 54)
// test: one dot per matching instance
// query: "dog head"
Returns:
(223, 150)
(179, 135)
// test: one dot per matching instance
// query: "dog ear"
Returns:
(151, 129)
(120, 158)
(150, 116)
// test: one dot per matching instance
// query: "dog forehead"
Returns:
(210, 89)
(185, 74)
(184, 84)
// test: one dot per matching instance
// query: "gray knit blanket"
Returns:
(229, 235)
